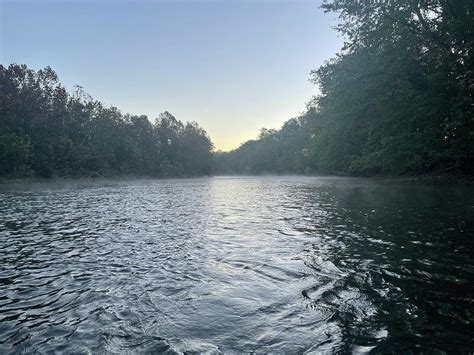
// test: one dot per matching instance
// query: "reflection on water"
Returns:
(254, 264)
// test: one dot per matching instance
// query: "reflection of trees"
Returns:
(396, 258)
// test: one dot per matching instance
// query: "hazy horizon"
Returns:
(233, 67)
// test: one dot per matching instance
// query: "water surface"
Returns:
(236, 264)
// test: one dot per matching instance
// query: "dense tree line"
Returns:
(398, 98)
(275, 151)
(46, 131)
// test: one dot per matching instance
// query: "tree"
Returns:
(14, 155)
(399, 98)
(54, 133)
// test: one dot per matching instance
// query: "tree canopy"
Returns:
(46, 131)
(398, 98)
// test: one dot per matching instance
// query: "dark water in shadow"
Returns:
(256, 264)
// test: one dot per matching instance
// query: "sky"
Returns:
(233, 66)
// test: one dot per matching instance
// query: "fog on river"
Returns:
(236, 264)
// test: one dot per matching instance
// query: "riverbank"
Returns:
(439, 177)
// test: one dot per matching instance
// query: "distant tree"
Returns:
(14, 155)
(195, 150)
(275, 151)
(49, 132)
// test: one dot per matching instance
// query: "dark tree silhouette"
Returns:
(398, 98)
(45, 131)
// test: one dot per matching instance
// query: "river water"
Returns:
(236, 264)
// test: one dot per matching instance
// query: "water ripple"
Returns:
(230, 265)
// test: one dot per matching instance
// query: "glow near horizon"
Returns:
(234, 67)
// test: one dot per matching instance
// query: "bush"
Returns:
(14, 155)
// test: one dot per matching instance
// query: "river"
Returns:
(236, 264)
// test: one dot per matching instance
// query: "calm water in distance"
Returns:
(236, 264)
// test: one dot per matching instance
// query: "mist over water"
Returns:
(236, 264)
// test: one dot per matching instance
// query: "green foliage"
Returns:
(55, 133)
(275, 151)
(398, 98)
(14, 155)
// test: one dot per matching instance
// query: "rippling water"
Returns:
(244, 264)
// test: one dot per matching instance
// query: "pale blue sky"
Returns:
(232, 66)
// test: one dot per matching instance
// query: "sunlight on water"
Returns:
(253, 264)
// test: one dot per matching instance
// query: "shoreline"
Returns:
(452, 178)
